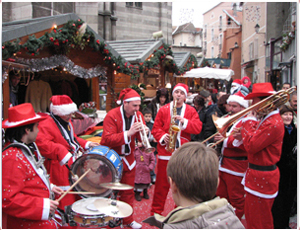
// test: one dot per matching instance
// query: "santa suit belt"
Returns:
(237, 158)
(262, 168)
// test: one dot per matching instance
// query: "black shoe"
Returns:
(146, 196)
(153, 179)
(137, 196)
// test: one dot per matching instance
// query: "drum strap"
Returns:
(64, 135)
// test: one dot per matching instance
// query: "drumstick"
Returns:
(74, 192)
(66, 192)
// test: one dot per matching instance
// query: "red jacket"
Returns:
(115, 136)
(55, 149)
(145, 162)
(192, 125)
(233, 148)
(25, 192)
(263, 143)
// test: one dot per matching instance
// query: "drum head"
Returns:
(86, 206)
(102, 171)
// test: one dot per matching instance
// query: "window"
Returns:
(251, 51)
(205, 31)
(134, 4)
(255, 48)
(220, 23)
(138, 4)
(212, 52)
(129, 4)
(205, 46)
(212, 34)
(173, 41)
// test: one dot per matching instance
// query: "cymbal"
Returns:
(113, 208)
(116, 186)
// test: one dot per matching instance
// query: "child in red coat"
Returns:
(145, 163)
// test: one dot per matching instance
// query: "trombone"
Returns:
(143, 134)
(262, 108)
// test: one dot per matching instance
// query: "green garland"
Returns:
(74, 35)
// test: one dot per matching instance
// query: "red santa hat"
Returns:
(62, 105)
(261, 90)
(128, 94)
(182, 87)
(21, 115)
(238, 98)
(236, 82)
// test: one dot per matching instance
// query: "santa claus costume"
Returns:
(191, 125)
(26, 190)
(59, 145)
(115, 136)
(233, 164)
(263, 141)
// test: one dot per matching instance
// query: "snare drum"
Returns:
(106, 166)
(85, 214)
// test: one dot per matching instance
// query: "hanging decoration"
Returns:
(42, 64)
(75, 35)
(288, 37)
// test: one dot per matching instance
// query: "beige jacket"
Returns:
(214, 214)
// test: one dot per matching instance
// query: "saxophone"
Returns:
(173, 130)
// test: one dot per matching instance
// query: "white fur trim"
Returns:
(181, 88)
(133, 99)
(241, 101)
(46, 209)
(62, 110)
(235, 84)
(7, 123)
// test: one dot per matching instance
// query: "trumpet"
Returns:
(143, 134)
(262, 108)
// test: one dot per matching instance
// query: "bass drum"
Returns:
(106, 166)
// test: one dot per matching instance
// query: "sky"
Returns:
(190, 11)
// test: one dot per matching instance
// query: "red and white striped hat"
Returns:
(182, 87)
(238, 98)
(128, 94)
(62, 105)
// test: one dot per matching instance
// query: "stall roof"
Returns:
(136, 51)
(207, 72)
(200, 60)
(181, 58)
(17, 29)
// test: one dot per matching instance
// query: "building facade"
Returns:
(112, 20)
(214, 24)
(187, 38)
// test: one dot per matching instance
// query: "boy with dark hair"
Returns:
(193, 176)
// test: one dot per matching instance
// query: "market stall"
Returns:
(206, 77)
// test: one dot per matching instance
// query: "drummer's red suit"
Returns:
(232, 168)
(192, 125)
(262, 141)
(115, 136)
(25, 192)
(55, 149)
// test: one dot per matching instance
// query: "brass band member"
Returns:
(189, 123)
(262, 136)
(59, 144)
(233, 163)
(120, 130)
